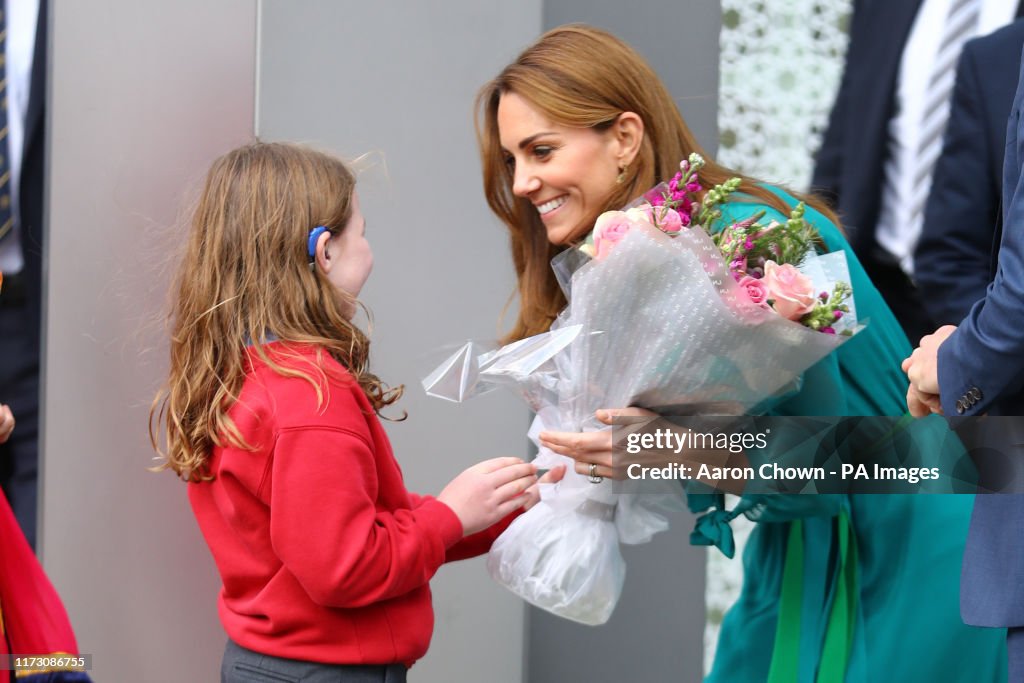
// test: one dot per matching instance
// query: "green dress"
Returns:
(901, 578)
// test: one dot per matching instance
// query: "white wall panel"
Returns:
(144, 95)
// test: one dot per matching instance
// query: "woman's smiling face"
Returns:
(566, 173)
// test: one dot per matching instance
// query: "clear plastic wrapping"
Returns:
(659, 323)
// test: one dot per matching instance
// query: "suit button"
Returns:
(960, 407)
(976, 393)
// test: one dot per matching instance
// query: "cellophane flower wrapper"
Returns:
(659, 323)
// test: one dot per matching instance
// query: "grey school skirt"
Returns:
(245, 666)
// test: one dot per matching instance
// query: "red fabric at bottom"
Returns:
(32, 618)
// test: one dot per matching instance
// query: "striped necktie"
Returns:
(6, 215)
(961, 24)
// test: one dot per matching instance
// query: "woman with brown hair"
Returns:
(580, 124)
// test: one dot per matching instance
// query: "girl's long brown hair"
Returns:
(244, 276)
(585, 77)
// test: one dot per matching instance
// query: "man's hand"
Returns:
(922, 370)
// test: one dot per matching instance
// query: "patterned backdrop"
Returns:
(781, 61)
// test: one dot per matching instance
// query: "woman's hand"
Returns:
(596, 449)
(6, 423)
(593, 448)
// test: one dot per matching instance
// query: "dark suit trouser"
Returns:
(900, 294)
(19, 388)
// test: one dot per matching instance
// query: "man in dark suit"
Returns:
(978, 368)
(870, 157)
(955, 258)
(21, 297)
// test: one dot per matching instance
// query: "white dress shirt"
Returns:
(894, 231)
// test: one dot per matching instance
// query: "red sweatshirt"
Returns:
(323, 554)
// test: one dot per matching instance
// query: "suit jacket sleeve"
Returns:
(951, 263)
(983, 360)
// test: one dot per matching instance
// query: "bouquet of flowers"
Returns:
(664, 314)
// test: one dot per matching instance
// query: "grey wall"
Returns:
(144, 94)
(656, 632)
(359, 77)
(679, 39)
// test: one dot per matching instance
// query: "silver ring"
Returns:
(593, 478)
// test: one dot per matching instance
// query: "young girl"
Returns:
(270, 414)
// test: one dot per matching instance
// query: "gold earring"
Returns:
(621, 178)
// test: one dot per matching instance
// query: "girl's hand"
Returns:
(552, 476)
(6, 423)
(488, 491)
(593, 448)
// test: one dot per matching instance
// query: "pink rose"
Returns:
(661, 217)
(610, 228)
(754, 288)
(641, 214)
(792, 292)
(668, 220)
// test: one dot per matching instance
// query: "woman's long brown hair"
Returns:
(585, 77)
(245, 278)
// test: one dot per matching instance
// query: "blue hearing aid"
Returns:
(314, 235)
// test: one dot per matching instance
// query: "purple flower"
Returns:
(693, 186)
(823, 296)
(748, 244)
(652, 195)
(828, 330)
(838, 314)
(684, 204)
